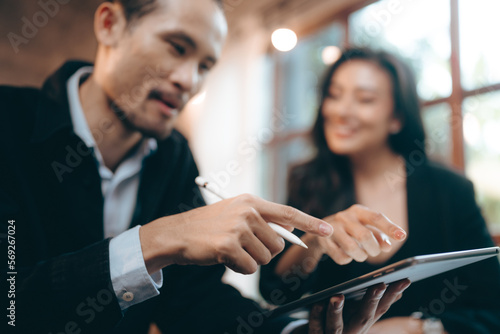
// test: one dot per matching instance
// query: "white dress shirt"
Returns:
(131, 282)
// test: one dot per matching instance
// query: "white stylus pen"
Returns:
(282, 232)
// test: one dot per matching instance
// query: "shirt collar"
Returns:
(80, 126)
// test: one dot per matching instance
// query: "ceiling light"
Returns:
(284, 39)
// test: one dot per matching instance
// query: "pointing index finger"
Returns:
(380, 221)
(286, 215)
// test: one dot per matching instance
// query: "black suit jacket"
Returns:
(443, 216)
(50, 186)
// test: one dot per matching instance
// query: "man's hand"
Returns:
(233, 232)
(354, 317)
(359, 233)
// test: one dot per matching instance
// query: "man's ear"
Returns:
(109, 23)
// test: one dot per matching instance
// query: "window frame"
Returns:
(455, 100)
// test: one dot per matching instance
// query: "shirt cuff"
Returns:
(294, 325)
(131, 281)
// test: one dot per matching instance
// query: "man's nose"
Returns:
(186, 77)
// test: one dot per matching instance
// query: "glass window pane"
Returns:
(301, 71)
(418, 31)
(482, 142)
(479, 42)
(282, 156)
(438, 133)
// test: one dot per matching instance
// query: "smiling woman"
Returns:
(404, 129)
(370, 151)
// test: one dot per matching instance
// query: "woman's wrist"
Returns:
(428, 325)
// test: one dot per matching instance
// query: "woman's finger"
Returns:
(316, 319)
(334, 321)
(364, 236)
(336, 253)
(365, 315)
(392, 295)
(383, 239)
(380, 221)
(349, 245)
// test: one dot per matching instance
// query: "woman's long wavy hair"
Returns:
(324, 185)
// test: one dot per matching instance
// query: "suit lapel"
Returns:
(76, 199)
(156, 176)
(422, 208)
(69, 169)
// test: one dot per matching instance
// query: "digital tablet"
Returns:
(414, 268)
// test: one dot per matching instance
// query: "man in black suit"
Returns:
(95, 184)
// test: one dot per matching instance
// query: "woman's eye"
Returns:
(333, 96)
(366, 100)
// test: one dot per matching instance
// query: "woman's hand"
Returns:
(359, 233)
(354, 317)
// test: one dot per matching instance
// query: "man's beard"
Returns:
(128, 122)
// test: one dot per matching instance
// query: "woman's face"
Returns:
(359, 109)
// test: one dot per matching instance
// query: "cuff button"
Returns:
(128, 296)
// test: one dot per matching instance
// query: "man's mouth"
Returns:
(170, 103)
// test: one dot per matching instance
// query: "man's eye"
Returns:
(204, 67)
(178, 48)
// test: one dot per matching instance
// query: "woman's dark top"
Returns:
(442, 216)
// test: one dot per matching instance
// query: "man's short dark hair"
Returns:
(135, 9)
